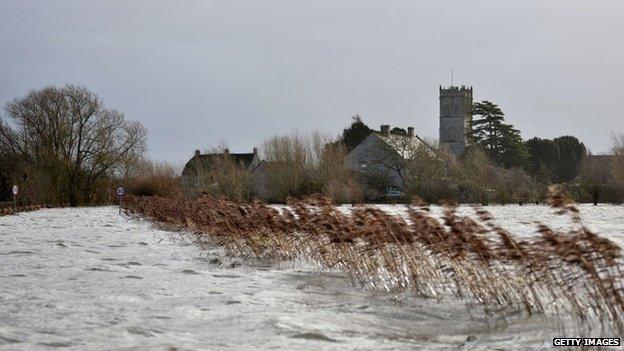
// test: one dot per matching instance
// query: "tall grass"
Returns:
(575, 273)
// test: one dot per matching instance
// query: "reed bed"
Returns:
(574, 272)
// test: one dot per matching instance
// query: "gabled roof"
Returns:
(206, 160)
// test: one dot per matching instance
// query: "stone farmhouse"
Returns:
(385, 154)
(196, 172)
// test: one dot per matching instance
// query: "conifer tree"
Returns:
(571, 152)
(500, 141)
(486, 130)
(544, 155)
(357, 131)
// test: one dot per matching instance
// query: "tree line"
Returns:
(499, 166)
(496, 167)
(562, 160)
(64, 146)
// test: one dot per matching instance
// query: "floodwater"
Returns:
(89, 279)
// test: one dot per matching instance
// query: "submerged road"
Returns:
(89, 279)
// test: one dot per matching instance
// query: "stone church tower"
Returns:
(455, 117)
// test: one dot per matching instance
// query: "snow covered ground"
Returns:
(89, 279)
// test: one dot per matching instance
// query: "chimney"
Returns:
(410, 132)
(385, 130)
(226, 151)
(255, 150)
(197, 152)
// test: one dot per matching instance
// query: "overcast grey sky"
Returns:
(199, 72)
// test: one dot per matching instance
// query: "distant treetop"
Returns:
(355, 133)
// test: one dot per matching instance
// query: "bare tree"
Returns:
(512, 185)
(66, 136)
(339, 182)
(404, 163)
(427, 172)
(472, 173)
(223, 176)
(595, 176)
(617, 164)
(293, 162)
(149, 178)
(394, 155)
(301, 165)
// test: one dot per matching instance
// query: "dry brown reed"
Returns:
(575, 273)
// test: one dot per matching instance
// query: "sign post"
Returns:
(15, 190)
(120, 191)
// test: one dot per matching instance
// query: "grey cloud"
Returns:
(198, 72)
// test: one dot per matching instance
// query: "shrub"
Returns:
(302, 165)
(153, 179)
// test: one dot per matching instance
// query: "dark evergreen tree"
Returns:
(543, 159)
(501, 142)
(356, 132)
(485, 130)
(513, 153)
(571, 152)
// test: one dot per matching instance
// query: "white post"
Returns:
(14, 191)
(120, 191)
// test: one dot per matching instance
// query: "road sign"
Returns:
(120, 191)
(15, 189)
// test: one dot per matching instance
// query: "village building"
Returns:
(455, 118)
(196, 175)
(385, 155)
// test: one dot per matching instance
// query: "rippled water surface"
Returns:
(89, 279)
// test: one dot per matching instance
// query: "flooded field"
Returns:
(89, 279)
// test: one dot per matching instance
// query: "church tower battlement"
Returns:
(455, 117)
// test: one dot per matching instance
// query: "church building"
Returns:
(455, 117)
